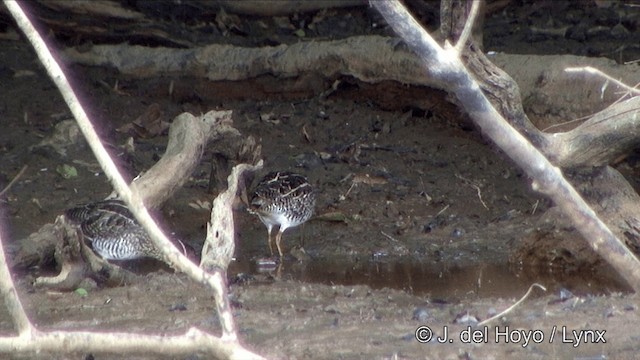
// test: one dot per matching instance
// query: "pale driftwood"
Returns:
(31, 340)
(599, 74)
(542, 80)
(598, 141)
(513, 306)
(37, 249)
(221, 228)
(156, 185)
(219, 245)
(550, 91)
(352, 57)
(11, 298)
(188, 137)
(67, 254)
(601, 139)
(613, 198)
(189, 342)
(77, 262)
(446, 65)
(227, 345)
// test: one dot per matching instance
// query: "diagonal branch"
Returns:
(446, 65)
(10, 296)
(129, 196)
(468, 26)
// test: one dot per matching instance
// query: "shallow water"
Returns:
(439, 280)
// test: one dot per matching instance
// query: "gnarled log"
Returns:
(188, 135)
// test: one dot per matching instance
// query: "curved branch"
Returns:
(607, 135)
(188, 135)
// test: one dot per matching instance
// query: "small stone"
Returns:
(565, 294)
(457, 232)
(178, 307)
(420, 314)
(323, 115)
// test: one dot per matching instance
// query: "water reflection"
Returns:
(439, 280)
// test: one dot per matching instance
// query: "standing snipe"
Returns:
(285, 199)
(112, 231)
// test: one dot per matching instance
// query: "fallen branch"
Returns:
(188, 136)
(219, 245)
(351, 57)
(15, 178)
(605, 136)
(155, 186)
(594, 71)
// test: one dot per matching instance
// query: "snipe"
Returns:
(112, 231)
(282, 199)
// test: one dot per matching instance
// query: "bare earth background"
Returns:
(434, 222)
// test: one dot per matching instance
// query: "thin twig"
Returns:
(6, 188)
(480, 196)
(510, 308)
(566, 123)
(349, 191)
(591, 70)
(443, 209)
(473, 185)
(535, 207)
(468, 27)
(594, 71)
(389, 236)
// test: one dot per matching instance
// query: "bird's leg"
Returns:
(269, 228)
(302, 236)
(278, 239)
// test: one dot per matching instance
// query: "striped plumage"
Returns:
(112, 231)
(283, 199)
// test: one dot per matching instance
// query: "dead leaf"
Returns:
(306, 135)
(149, 124)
